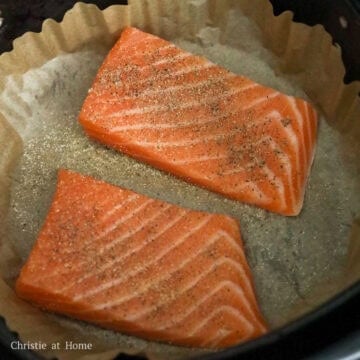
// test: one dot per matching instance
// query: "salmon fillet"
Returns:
(141, 266)
(183, 114)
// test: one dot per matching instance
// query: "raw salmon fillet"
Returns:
(185, 115)
(141, 266)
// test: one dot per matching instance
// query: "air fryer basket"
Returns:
(335, 320)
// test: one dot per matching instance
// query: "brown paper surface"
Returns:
(43, 82)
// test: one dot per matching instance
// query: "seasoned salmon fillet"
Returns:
(183, 114)
(141, 266)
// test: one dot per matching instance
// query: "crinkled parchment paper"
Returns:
(43, 83)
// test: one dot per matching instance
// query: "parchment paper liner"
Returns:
(306, 52)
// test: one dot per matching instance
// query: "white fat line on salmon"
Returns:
(299, 119)
(225, 309)
(143, 38)
(220, 338)
(254, 191)
(287, 166)
(216, 338)
(200, 159)
(261, 196)
(261, 100)
(122, 128)
(121, 205)
(233, 243)
(190, 104)
(191, 69)
(118, 281)
(105, 202)
(235, 288)
(174, 88)
(167, 125)
(267, 171)
(293, 140)
(298, 116)
(223, 333)
(169, 59)
(183, 143)
(184, 71)
(134, 230)
(119, 240)
(211, 241)
(236, 265)
(161, 77)
(158, 49)
(114, 226)
(279, 185)
(286, 163)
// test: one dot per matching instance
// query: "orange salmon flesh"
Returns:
(141, 266)
(188, 116)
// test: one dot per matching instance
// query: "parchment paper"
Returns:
(293, 259)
